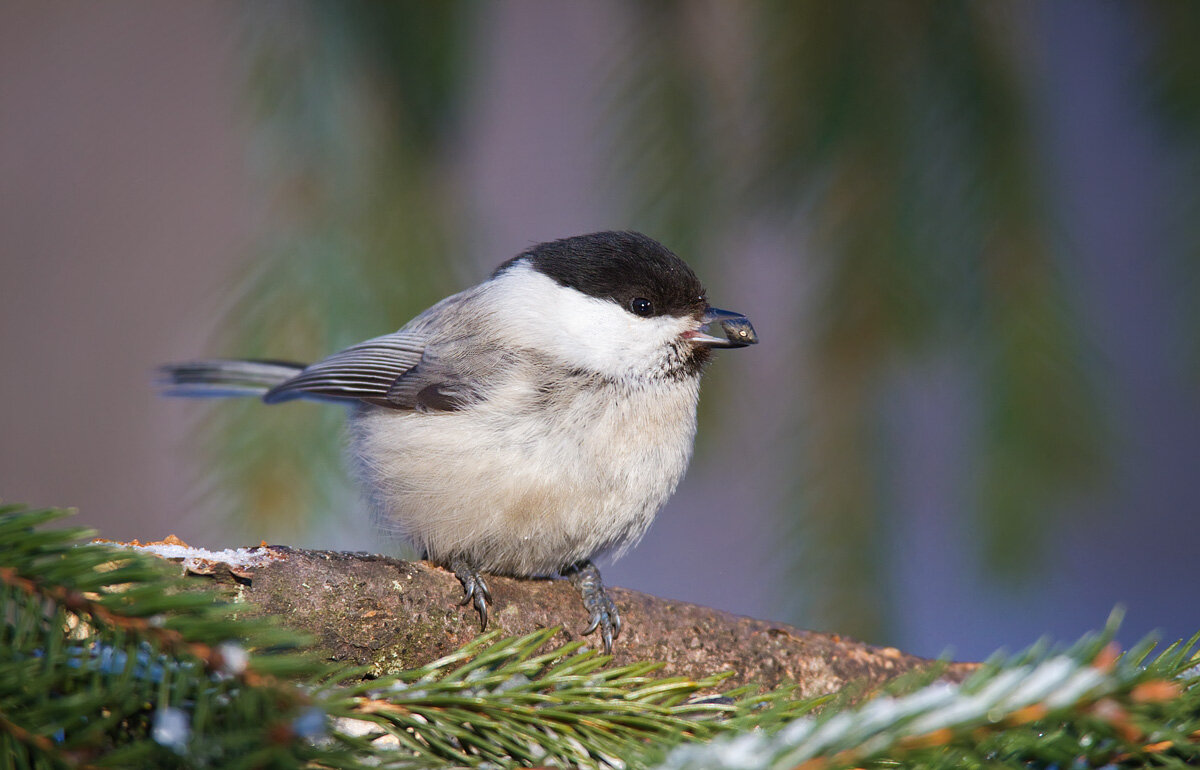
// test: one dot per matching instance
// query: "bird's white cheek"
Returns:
(582, 331)
(616, 343)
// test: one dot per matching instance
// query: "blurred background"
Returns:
(967, 234)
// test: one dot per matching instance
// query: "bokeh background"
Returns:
(967, 234)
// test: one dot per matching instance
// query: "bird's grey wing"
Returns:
(440, 361)
(451, 376)
(365, 371)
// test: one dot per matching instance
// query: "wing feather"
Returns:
(365, 371)
(438, 362)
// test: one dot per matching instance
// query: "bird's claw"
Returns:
(475, 590)
(604, 614)
(608, 620)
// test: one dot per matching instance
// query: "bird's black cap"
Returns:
(622, 267)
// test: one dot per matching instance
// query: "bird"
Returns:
(524, 426)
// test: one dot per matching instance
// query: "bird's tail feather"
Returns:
(218, 378)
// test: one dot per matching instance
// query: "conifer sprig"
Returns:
(1083, 707)
(106, 660)
(500, 701)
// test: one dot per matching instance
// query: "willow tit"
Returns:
(527, 425)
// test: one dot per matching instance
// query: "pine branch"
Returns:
(503, 702)
(106, 660)
(389, 615)
(1087, 706)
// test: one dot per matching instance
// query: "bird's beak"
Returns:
(738, 331)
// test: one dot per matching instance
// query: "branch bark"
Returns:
(393, 615)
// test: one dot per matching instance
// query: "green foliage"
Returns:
(100, 654)
(1081, 707)
(107, 661)
(501, 702)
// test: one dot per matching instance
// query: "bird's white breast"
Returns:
(533, 479)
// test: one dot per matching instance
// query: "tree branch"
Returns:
(393, 615)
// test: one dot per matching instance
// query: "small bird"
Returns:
(527, 425)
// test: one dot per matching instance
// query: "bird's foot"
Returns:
(475, 590)
(604, 615)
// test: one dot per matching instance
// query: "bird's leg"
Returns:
(475, 590)
(604, 615)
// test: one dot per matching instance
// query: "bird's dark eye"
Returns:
(641, 306)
